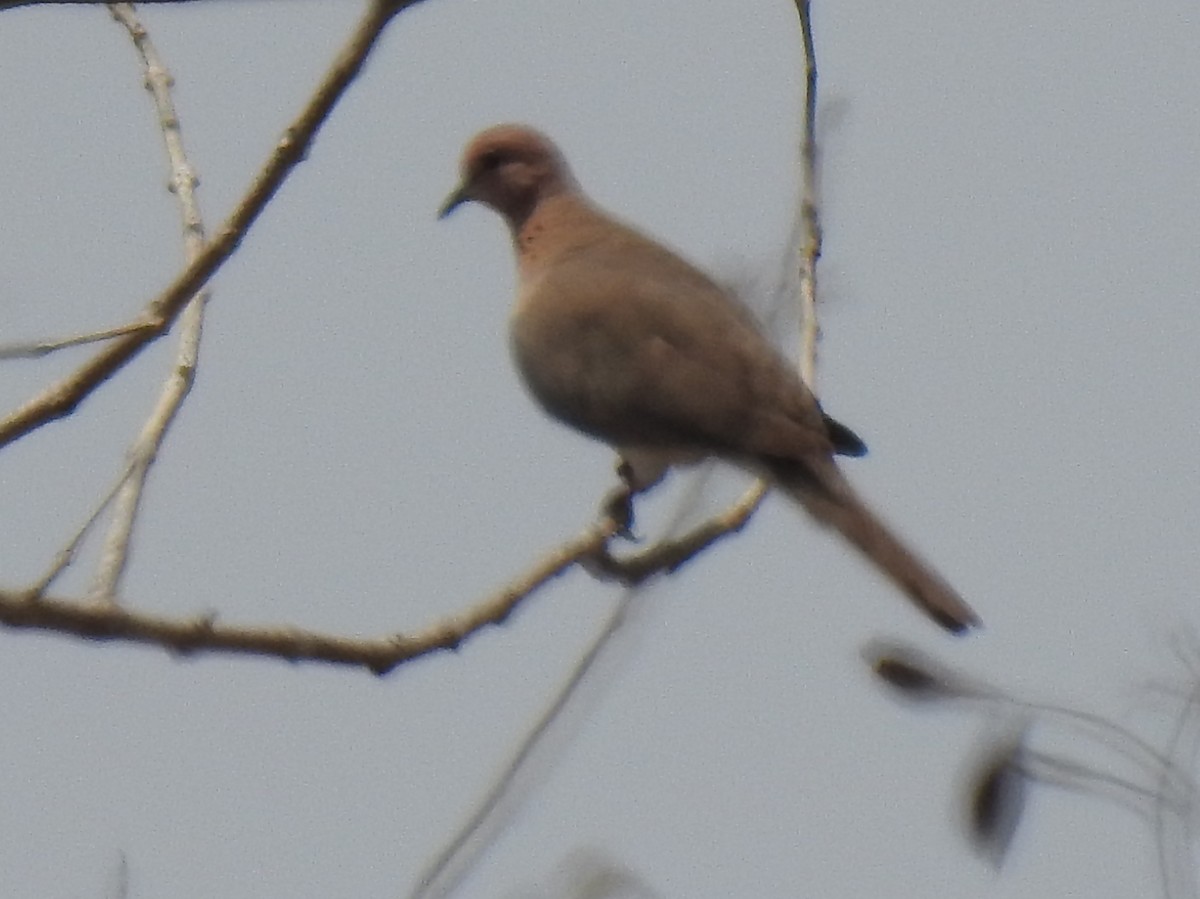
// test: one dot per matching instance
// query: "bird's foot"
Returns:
(617, 508)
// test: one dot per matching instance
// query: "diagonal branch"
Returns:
(127, 500)
(106, 621)
(62, 398)
(204, 633)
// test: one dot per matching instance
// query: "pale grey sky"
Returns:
(1009, 316)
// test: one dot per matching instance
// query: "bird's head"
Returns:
(510, 168)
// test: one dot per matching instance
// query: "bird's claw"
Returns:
(617, 508)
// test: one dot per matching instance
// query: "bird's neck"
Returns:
(555, 225)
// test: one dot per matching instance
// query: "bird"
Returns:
(621, 338)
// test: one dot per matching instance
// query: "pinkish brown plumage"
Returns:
(624, 340)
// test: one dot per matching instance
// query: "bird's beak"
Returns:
(462, 194)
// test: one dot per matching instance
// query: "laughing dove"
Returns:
(620, 338)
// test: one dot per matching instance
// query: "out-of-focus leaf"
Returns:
(996, 799)
(910, 672)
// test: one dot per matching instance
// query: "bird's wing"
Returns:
(637, 347)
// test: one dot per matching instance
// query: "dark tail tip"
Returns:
(845, 442)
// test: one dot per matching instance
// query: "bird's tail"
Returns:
(829, 498)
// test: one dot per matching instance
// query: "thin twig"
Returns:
(668, 556)
(1161, 790)
(809, 218)
(1183, 875)
(35, 349)
(466, 846)
(115, 554)
(64, 558)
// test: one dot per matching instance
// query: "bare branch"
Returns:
(35, 349)
(66, 556)
(808, 220)
(668, 556)
(106, 621)
(203, 633)
(115, 554)
(63, 397)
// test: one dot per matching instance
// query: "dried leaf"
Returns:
(997, 799)
(910, 673)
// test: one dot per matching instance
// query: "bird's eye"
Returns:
(491, 160)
